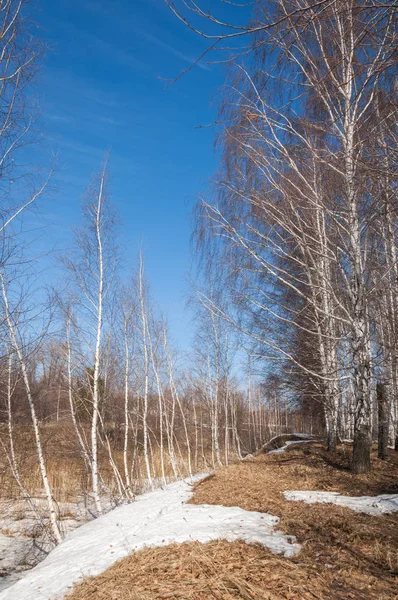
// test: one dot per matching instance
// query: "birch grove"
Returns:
(299, 204)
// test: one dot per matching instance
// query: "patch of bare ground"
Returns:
(356, 555)
(197, 571)
(345, 555)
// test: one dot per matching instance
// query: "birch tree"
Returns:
(18, 349)
(146, 365)
(128, 314)
(91, 266)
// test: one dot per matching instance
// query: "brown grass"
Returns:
(66, 471)
(345, 555)
(218, 569)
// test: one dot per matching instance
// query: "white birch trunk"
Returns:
(97, 353)
(42, 465)
(146, 371)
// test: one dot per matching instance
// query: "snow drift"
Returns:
(279, 442)
(289, 443)
(371, 505)
(157, 518)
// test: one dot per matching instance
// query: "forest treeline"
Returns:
(299, 273)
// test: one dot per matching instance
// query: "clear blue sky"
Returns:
(100, 88)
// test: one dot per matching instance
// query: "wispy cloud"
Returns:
(161, 44)
(110, 121)
(76, 147)
(77, 89)
(59, 118)
(110, 52)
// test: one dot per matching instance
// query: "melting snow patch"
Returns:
(157, 518)
(289, 443)
(371, 505)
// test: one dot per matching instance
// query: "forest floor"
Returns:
(345, 554)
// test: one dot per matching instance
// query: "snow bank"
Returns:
(247, 456)
(156, 519)
(371, 505)
(14, 550)
(289, 443)
(302, 436)
(24, 542)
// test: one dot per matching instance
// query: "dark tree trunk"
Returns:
(331, 436)
(361, 450)
(383, 420)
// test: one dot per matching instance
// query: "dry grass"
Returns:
(66, 471)
(65, 467)
(197, 571)
(345, 555)
(360, 551)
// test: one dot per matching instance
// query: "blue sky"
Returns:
(101, 87)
